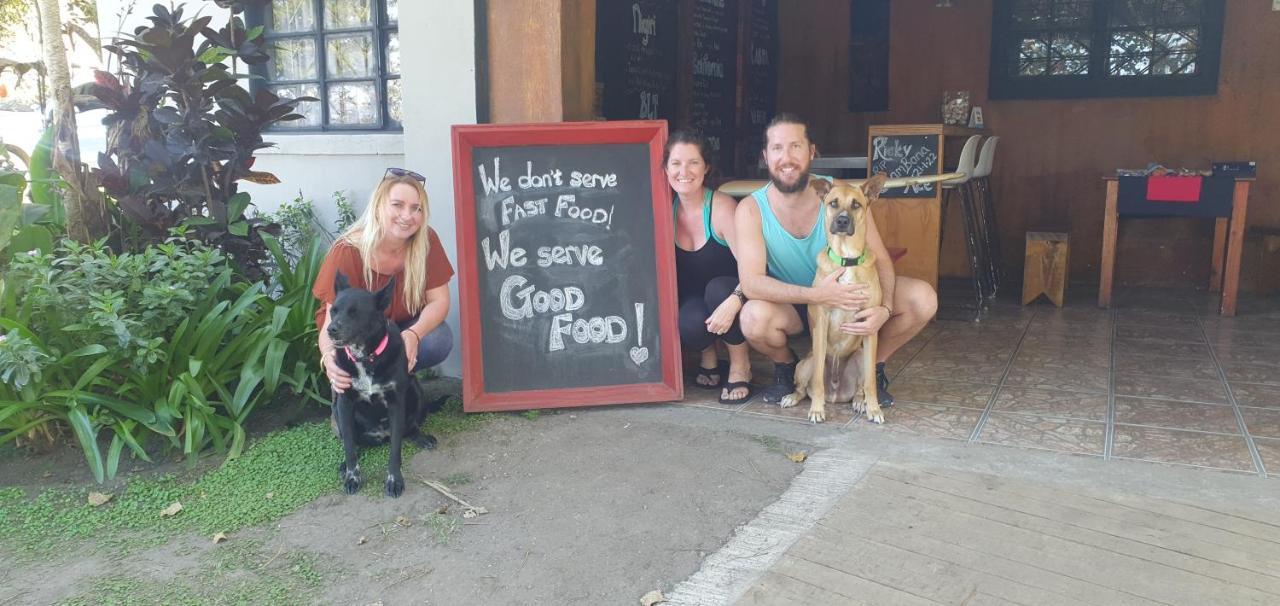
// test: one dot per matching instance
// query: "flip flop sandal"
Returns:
(721, 371)
(751, 392)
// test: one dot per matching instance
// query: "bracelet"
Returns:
(412, 332)
(888, 309)
(324, 354)
(737, 292)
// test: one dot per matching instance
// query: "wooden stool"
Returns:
(1045, 271)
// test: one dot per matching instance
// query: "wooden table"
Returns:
(1228, 238)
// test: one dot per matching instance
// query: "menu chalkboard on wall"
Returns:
(760, 81)
(712, 99)
(565, 265)
(906, 156)
(636, 48)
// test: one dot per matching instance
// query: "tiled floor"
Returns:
(1160, 377)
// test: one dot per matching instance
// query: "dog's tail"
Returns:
(438, 403)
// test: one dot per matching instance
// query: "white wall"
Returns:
(438, 62)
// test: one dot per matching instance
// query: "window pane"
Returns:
(1031, 14)
(1069, 54)
(1180, 12)
(393, 11)
(353, 103)
(395, 109)
(393, 53)
(309, 109)
(1130, 53)
(1174, 63)
(1072, 13)
(349, 55)
(293, 59)
(1033, 57)
(347, 13)
(292, 16)
(1177, 41)
(1133, 12)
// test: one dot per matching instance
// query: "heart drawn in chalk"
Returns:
(639, 355)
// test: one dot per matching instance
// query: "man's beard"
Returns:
(801, 182)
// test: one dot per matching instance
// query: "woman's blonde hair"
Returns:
(366, 232)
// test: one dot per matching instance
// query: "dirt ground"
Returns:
(592, 506)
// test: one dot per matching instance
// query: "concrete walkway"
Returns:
(880, 518)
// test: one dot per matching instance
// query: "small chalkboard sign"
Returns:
(902, 156)
(636, 55)
(566, 265)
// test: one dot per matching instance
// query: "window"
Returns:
(346, 53)
(1105, 48)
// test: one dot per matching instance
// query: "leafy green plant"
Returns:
(183, 132)
(161, 341)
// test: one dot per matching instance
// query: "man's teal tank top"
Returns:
(790, 259)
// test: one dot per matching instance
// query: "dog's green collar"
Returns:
(847, 261)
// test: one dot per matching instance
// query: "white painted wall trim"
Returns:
(334, 144)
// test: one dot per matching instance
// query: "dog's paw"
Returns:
(874, 414)
(424, 441)
(817, 414)
(789, 400)
(859, 405)
(350, 478)
(395, 485)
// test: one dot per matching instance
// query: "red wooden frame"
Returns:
(469, 137)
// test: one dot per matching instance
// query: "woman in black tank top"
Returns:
(706, 271)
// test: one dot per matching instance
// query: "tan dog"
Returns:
(846, 209)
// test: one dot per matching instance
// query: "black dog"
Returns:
(383, 401)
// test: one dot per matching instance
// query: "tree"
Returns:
(86, 210)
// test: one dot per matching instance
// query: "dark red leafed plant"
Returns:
(182, 131)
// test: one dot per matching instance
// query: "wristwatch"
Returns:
(737, 292)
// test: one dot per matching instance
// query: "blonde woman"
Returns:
(392, 239)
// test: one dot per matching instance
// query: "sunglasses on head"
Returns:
(403, 172)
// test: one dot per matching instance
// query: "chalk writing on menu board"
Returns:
(712, 103)
(564, 235)
(906, 156)
(636, 58)
(761, 86)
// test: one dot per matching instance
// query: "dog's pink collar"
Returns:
(376, 352)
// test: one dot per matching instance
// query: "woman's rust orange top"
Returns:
(346, 258)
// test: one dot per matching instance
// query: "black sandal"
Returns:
(751, 392)
(716, 374)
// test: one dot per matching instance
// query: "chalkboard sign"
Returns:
(566, 265)
(636, 48)
(761, 81)
(713, 102)
(906, 156)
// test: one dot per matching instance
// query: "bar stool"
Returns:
(963, 186)
(990, 228)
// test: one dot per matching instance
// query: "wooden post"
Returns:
(1235, 239)
(1219, 251)
(1110, 220)
(1045, 268)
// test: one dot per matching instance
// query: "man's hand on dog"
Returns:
(338, 378)
(866, 322)
(722, 318)
(832, 293)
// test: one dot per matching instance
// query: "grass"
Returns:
(276, 475)
(240, 572)
(531, 415)
(770, 443)
(441, 525)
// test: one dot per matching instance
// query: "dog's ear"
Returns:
(383, 296)
(871, 187)
(340, 283)
(822, 186)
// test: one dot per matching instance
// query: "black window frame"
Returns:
(381, 29)
(1099, 82)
